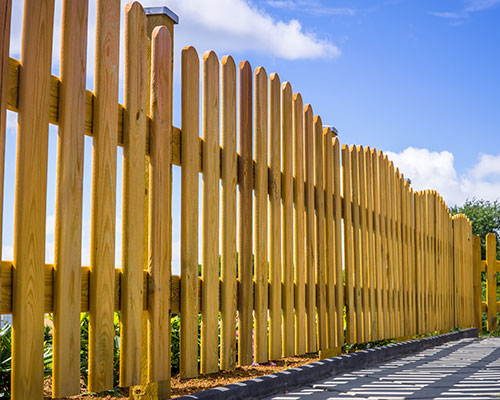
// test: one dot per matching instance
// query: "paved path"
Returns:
(464, 369)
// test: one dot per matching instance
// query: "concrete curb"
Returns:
(288, 380)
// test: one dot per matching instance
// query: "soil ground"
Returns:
(181, 387)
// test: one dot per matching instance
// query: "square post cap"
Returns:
(162, 11)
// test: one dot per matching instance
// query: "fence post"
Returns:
(156, 16)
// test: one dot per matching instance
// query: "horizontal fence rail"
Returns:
(306, 244)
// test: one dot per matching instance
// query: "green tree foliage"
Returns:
(485, 218)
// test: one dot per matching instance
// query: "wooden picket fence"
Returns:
(319, 244)
(490, 267)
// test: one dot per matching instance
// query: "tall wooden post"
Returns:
(156, 16)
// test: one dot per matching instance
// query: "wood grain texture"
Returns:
(339, 275)
(491, 280)
(103, 219)
(372, 282)
(310, 234)
(69, 192)
(5, 15)
(389, 172)
(328, 171)
(30, 201)
(189, 213)
(363, 249)
(210, 215)
(382, 172)
(287, 218)
(299, 227)
(356, 240)
(260, 215)
(274, 217)
(320, 234)
(229, 178)
(348, 245)
(476, 250)
(160, 208)
(134, 152)
(245, 173)
(380, 326)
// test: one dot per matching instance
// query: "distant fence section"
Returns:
(307, 244)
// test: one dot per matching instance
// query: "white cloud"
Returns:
(436, 170)
(237, 26)
(7, 252)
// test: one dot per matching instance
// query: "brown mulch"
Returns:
(181, 387)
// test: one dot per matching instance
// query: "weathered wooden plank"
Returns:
(210, 215)
(478, 323)
(310, 250)
(274, 217)
(160, 209)
(229, 178)
(320, 234)
(287, 218)
(299, 228)
(30, 201)
(260, 215)
(189, 212)
(245, 172)
(69, 192)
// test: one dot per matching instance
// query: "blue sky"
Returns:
(415, 78)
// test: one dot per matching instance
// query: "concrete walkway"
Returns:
(464, 369)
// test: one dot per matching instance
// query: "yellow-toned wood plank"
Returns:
(274, 217)
(160, 209)
(299, 228)
(30, 201)
(348, 245)
(392, 241)
(389, 273)
(320, 234)
(189, 213)
(372, 282)
(491, 281)
(310, 250)
(245, 172)
(328, 171)
(384, 228)
(399, 254)
(210, 215)
(339, 275)
(261, 234)
(380, 326)
(5, 15)
(69, 192)
(287, 219)
(102, 249)
(364, 246)
(229, 178)
(134, 151)
(358, 304)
